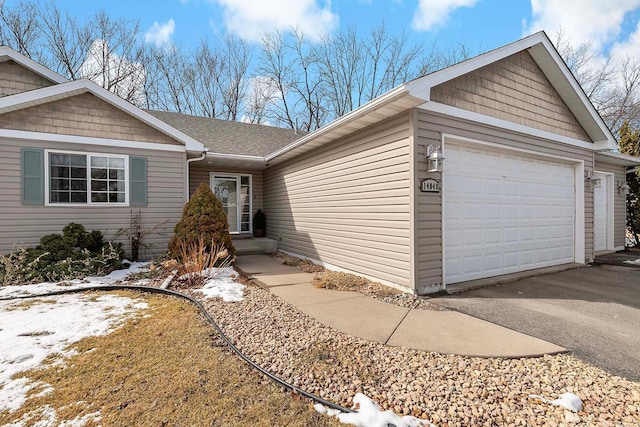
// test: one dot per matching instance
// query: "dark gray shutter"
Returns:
(32, 176)
(137, 181)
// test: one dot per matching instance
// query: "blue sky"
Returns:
(612, 25)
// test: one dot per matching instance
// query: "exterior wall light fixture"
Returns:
(623, 188)
(435, 159)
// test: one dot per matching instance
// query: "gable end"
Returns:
(83, 115)
(15, 78)
(513, 89)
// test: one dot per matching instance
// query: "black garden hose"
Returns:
(206, 314)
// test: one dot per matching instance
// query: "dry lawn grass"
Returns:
(167, 369)
(350, 282)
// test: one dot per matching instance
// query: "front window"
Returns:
(87, 178)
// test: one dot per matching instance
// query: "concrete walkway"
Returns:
(447, 332)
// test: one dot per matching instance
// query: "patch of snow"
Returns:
(567, 400)
(222, 285)
(635, 262)
(369, 414)
(45, 287)
(33, 330)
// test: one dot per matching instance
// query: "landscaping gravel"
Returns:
(447, 390)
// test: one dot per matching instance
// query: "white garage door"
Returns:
(505, 212)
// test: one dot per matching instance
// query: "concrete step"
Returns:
(254, 245)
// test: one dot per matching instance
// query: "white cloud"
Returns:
(251, 18)
(598, 21)
(433, 14)
(160, 34)
(629, 47)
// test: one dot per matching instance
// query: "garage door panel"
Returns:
(512, 213)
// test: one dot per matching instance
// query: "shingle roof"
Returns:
(229, 137)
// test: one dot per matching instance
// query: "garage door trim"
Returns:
(578, 167)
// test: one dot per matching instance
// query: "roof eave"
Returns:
(618, 158)
(387, 105)
(29, 63)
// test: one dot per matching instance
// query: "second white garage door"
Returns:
(505, 212)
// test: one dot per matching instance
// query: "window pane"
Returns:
(116, 197)
(78, 185)
(58, 159)
(59, 197)
(99, 197)
(59, 172)
(59, 184)
(98, 173)
(77, 197)
(116, 174)
(98, 185)
(116, 185)
(78, 160)
(78, 172)
(116, 162)
(99, 162)
(244, 180)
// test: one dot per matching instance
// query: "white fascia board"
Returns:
(448, 110)
(361, 111)
(618, 158)
(235, 157)
(29, 63)
(84, 140)
(424, 83)
(65, 90)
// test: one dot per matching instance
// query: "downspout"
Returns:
(189, 161)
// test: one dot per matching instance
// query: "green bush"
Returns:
(203, 218)
(74, 254)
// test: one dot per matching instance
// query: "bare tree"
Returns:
(20, 29)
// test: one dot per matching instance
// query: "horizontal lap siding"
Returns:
(347, 203)
(26, 224)
(429, 130)
(619, 202)
(199, 173)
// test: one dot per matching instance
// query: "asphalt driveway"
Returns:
(593, 311)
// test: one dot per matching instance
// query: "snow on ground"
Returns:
(369, 414)
(31, 330)
(634, 262)
(567, 400)
(221, 284)
(44, 287)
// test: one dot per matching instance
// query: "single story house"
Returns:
(530, 178)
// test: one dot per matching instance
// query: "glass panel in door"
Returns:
(226, 190)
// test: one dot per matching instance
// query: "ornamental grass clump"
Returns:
(200, 264)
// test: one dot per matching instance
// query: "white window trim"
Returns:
(609, 182)
(238, 177)
(88, 154)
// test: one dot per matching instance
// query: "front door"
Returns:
(602, 211)
(234, 192)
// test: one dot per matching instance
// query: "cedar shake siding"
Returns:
(14, 78)
(83, 115)
(348, 203)
(513, 89)
(429, 129)
(200, 172)
(619, 202)
(25, 224)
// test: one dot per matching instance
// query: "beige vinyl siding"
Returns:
(83, 115)
(619, 202)
(199, 173)
(348, 203)
(430, 128)
(14, 78)
(26, 224)
(513, 89)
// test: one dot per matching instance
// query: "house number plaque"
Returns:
(430, 185)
